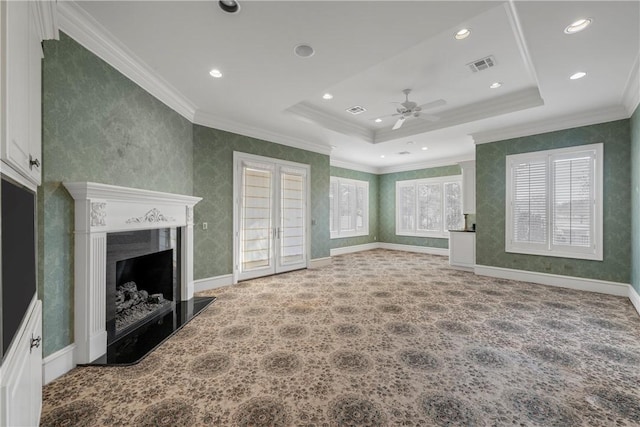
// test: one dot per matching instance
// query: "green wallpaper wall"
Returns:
(387, 203)
(213, 181)
(373, 207)
(490, 202)
(97, 125)
(635, 200)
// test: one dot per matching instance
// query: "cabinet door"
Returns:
(35, 99)
(21, 142)
(17, 27)
(22, 377)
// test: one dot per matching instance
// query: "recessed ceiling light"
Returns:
(578, 75)
(304, 51)
(378, 120)
(425, 148)
(462, 34)
(229, 6)
(215, 73)
(382, 156)
(578, 26)
(495, 85)
(327, 96)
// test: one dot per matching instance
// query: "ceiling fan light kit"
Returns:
(229, 6)
(409, 108)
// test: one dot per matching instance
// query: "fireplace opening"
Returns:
(144, 288)
(142, 279)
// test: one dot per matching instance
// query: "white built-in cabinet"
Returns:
(468, 186)
(23, 26)
(21, 372)
(462, 249)
(21, 89)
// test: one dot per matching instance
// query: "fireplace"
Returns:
(105, 212)
(142, 278)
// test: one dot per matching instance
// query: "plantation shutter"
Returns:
(453, 206)
(347, 206)
(334, 213)
(573, 200)
(429, 207)
(406, 200)
(361, 199)
(257, 226)
(530, 202)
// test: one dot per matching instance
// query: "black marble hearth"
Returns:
(133, 347)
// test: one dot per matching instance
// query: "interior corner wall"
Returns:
(490, 202)
(213, 181)
(372, 179)
(97, 125)
(635, 200)
(387, 206)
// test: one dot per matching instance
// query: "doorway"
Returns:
(271, 216)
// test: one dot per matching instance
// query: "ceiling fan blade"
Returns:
(433, 104)
(398, 123)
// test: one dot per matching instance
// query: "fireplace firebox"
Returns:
(142, 278)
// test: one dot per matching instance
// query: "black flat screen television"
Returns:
(18, 256)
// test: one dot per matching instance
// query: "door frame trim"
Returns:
(238, 157)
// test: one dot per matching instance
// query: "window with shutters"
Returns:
(429, 207)
(554, 202)
(348, 207)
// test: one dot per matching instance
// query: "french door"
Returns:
(270, 216)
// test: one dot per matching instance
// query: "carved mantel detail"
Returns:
(98, 214)
(154, 215)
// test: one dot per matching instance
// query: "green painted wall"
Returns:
(97, 125)
(490, 202)
(635, 200)
(387, 203)
(373, 207)
(213, 181)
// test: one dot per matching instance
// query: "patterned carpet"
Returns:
(378, 338)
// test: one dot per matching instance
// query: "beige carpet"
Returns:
(378, 338)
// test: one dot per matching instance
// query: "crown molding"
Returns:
(84, 29)
(312, 114)
(209, 120)
(449, 161)
(631, 95)
(558, 123)
(518, 35)
(509, 103)
(46, 14)
(354, 166)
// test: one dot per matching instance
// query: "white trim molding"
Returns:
(344, 164)
(570, 282)
(411, 248)
(57, 364)
(320, 262)
(215, 282)
(631, 96)
(354, 248)
(101, 209)
(84, 29)
(635, 298)
(570, 121)
(47, 18)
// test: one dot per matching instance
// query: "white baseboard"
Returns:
(320, 262)
(412, 248)
(212, 282)
(355, 248)
(635, 298)
(582, 284)
(59, 363)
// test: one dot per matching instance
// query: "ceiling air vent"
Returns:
(482, 64)
(356, 109)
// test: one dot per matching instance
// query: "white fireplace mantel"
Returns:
(102, 209)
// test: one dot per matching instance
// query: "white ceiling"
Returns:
(366, 53)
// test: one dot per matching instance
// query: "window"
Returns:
(554, 202)
(348, 207)
(429, 207)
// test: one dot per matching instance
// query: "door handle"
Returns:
(35, 342)
(33, 162)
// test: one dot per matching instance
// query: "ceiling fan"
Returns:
(410, 108)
